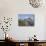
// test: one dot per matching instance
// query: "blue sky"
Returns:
(24, 16)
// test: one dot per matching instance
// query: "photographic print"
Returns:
(26, 19)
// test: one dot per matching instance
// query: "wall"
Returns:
(11, 8)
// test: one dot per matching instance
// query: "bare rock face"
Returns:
(35, 3)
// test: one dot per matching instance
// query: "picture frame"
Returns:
(26, 19)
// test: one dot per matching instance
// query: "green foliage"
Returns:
(21, 22)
